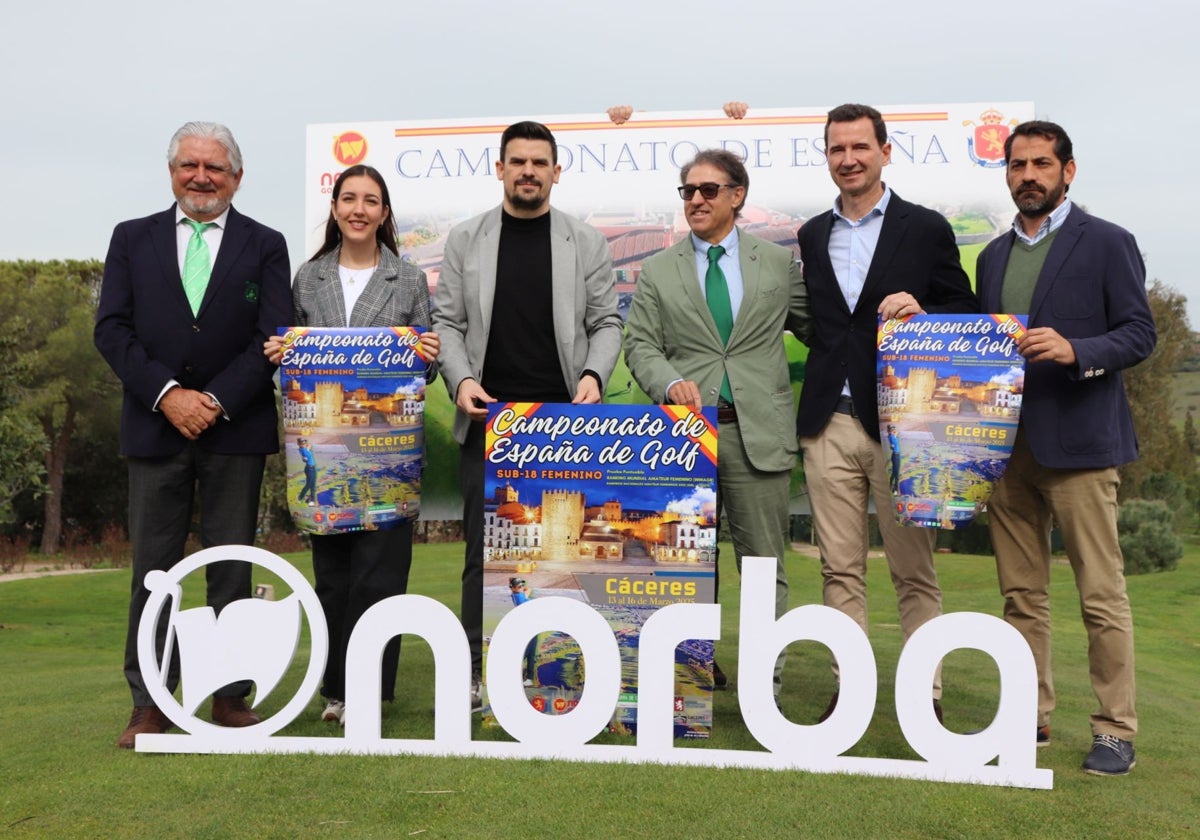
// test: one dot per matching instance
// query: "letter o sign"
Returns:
(506, 693)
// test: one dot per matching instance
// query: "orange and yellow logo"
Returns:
(350, 148)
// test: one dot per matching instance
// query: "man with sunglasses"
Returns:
(874, 255)
(706, 328)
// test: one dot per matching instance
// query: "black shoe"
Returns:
(719, 678)
(937, 710)
(829, 709)
(476, 693)
(1110, 756)
(1043, 736)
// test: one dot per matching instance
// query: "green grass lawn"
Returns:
(63, 702)
(969, 223)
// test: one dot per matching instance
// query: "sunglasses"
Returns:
(708, 189)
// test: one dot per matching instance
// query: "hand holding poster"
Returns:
(353, 420)
(949, 391)
(614, 506)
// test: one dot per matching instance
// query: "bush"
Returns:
(1147, 541)
(1171, 489)
(976, 538)
(14, 551)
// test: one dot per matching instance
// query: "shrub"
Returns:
(1147, 540)
(1171, 489)
(115, 547)
(14, 551)
(976, 538)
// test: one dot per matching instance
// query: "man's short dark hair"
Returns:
(727, 162)
(1055, 133)
(851, 112)
(529, 130)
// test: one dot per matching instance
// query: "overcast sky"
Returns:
(91, 92)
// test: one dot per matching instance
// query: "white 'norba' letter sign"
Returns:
(257, 640)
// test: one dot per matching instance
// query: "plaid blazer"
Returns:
(397, 295)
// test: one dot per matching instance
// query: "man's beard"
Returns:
(1035, 203)
(214, 204)
(520, 202)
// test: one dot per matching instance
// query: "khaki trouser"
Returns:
(1084, 504)
(842, 465)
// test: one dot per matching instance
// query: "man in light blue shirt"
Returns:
(874, 255)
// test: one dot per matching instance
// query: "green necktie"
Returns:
(197, 265)
(716, 292)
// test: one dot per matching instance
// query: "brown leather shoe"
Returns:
(233, 711)
(147, 719)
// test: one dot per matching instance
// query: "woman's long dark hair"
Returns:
(385, 234)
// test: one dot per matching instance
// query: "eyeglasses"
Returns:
(708, 189)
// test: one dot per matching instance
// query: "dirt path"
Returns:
(7, 576)
(801, 548)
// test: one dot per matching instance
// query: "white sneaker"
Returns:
(528, 683)
(334, 710)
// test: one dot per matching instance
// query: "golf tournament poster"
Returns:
(614, 506)
(353, 404)
(949, 392)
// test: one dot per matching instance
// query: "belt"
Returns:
(726, 414)
(845, 405)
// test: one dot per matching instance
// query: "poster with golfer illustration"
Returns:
(354, 426)
(949, 393)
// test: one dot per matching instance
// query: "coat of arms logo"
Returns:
(986, 146)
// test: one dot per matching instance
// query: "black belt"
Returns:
(845, 405)
(726, 414)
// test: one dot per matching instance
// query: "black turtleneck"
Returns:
(522, 363)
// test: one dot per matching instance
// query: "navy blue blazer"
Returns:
(1092, 290)
(147, 333)
(916, 253)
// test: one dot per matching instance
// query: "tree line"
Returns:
(62, 479)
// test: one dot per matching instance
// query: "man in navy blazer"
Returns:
(199, 404)
(1083, 284)
(873, 255)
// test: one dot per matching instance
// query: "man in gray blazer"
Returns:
(527, 311)
(685, 348)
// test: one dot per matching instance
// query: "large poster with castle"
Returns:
(353, 420)
(949, 394)
(614, 506)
